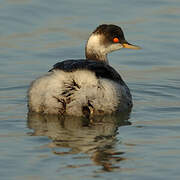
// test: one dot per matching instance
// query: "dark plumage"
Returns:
(101, 69)
(110, 31)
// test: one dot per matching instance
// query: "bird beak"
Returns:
(130, 46)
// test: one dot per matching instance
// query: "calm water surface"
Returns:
(144, 144)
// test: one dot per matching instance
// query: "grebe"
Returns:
(85, 87)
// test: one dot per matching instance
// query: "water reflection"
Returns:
(79, 135)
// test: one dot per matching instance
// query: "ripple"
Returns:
(13, 88)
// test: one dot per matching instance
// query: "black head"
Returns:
(110, 32)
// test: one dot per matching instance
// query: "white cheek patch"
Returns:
(114, 47)
(95, 44)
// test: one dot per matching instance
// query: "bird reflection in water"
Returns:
(79, 135)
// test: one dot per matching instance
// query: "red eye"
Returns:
(115, 40)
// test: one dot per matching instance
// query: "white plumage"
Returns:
(105, 96)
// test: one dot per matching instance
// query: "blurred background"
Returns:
(145, 144)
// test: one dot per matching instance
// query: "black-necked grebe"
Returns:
(85, 87)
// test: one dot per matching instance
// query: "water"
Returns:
(144, 144)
